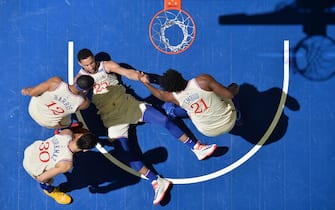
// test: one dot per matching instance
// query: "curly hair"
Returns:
(172, 81)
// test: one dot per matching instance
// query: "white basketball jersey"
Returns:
(102, 79)
(43, 155)
(209, 112)
(52, 106)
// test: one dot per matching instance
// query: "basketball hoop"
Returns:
(172, 30)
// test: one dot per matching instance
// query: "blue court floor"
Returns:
(288, 164)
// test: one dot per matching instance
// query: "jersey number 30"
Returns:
(44, 153)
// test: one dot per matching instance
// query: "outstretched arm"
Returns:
(160, 94)
(111, 66)
(48, 85)
(208, 83)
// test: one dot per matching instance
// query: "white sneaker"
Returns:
(202, 150)
(160, 186)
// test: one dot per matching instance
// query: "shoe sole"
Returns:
(163, 195)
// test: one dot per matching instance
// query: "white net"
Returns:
(172, 31)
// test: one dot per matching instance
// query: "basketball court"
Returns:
(280, 52)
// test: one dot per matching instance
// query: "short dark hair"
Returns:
(172, 81)
(84, 82)
(83, 54)
(87, 141)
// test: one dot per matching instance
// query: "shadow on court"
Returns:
(314, 16)
(313, 55)
(258, 110)
(93, 170)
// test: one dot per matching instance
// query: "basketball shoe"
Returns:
(58, 196)
(203, 151)
(160, 186)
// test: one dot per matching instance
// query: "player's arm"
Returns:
(85, 104)
(48, 85)
(160, 94)
(111, 66)
(59, 168)
(208, 83)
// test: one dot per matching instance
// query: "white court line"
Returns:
(70, 62)
(244, 158)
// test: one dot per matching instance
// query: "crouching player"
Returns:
(44, 159)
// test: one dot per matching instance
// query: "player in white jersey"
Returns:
(53, 101)
(44, 159)
(102, 78)
(118, 110)
(208, 103)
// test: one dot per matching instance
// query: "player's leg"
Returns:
(152, 115)
(174, 111)
(159, 184)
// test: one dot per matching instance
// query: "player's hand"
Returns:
(25, 91)
(143, 78)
